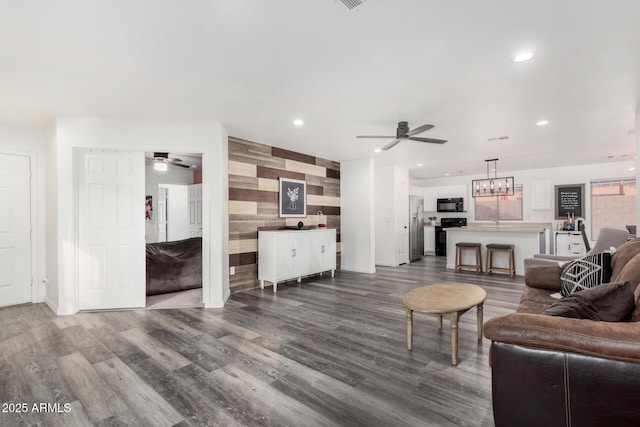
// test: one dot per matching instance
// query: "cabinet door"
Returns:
(287, 253)
(429, 240)
(541, 194)
(430, 199)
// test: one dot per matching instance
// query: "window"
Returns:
(613, 203)
(501, 208)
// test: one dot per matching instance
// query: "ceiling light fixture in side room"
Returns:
(492, 186)
(542, 122)
(523, 56)
(298, 122)
(160, 166)
(378, 150)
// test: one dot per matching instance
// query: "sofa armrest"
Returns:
(611, 340)
(543, 277)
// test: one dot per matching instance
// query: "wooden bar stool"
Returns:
(461, 246)
(501, 247)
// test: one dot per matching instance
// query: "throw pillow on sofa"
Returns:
(585, 273)
(611, 302)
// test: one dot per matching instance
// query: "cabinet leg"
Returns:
(333, 274)
(261, 284)
(299, 279)
(275, 287)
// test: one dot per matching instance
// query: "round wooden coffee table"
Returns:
(450, 298)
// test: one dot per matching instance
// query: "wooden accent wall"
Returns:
(254, 170)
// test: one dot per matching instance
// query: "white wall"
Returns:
(558, 176)
(208, 138)
(173, 175)
(357, 216)
(32, 143)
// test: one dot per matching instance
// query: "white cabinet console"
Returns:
(291, 254)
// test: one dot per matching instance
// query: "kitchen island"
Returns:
(528, 239)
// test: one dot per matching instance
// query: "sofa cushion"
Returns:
(535, 300)
(584, 273)
(611, 302)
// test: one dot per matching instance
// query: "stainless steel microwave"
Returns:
(454, 204)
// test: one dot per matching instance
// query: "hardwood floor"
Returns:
(322, 353)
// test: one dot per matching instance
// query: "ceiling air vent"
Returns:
(352, 4)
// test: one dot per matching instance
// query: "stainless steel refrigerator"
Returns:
(416, 228)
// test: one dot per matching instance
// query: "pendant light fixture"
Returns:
(492, 186)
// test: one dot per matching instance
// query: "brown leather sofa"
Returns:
(556, 371)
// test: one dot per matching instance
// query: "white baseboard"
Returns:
(52, 305)
(358, 269)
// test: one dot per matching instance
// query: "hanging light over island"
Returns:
(492, 186)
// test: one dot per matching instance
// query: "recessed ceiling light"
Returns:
(377, 150)
(523, 56)
(298, 122)
(632, 168)
(542, 122)
(419, 165)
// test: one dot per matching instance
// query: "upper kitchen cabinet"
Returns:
(451, 191)
(541, 194)
(430, 195)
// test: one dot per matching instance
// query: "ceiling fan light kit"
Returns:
(404, 132)
(493, 186)
(161, 162)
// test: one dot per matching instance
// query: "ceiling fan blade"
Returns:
(180, 165)
(391, 144)
(431, 140)
(375, 136)
(418, 130)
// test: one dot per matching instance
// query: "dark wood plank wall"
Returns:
(254, 170)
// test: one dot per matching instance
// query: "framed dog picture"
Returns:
(293, 198)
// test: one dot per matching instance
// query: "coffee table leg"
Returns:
(454, 338)
(480, 322)
(409, 329)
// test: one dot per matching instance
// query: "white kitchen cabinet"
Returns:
(292, 254)
(541, 194)
(569, 243)
(429, 240)
(430, 195)
(452, 191)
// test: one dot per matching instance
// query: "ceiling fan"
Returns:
(163, 158)
(403, 132)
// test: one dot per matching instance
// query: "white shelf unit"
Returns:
(569, 243)
(292, 254)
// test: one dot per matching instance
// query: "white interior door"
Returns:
(162, 214)
(195, 210)
(15, 230)
(111, 234)
(177, 212)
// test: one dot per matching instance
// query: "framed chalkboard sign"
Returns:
(570, 200)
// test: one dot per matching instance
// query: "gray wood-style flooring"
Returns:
(324, 352)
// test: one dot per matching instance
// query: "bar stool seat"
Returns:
(476, 247)
(501, 247)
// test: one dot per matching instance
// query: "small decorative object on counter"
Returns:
(300, 225)
(322, 223)
(433, 219)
